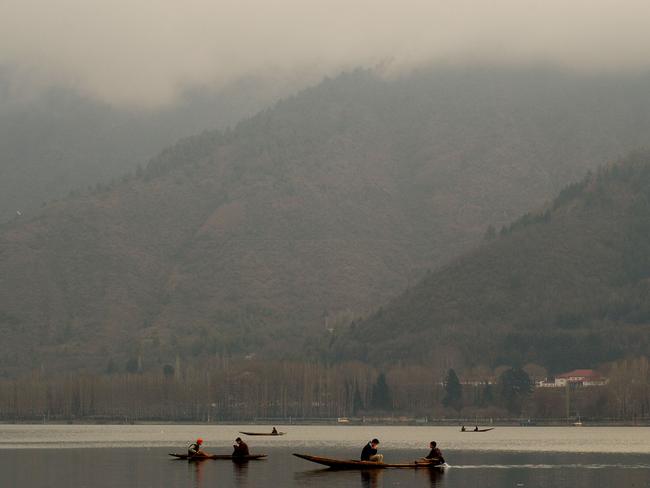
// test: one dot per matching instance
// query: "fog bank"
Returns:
(145, 52)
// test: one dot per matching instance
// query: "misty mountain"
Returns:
(307, 215)
(57, 140)
(565, 287)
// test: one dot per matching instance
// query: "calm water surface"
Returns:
(136, 456)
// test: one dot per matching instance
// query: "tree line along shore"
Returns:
(243, 391)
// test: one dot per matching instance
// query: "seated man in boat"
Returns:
(463, 429)
(434, 456)
(369, 452)
(274, 431)
(194, 449)
(476, 429)
(240, 448)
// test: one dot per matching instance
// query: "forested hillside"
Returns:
(59, 140)
(303, 217)
(565, 287)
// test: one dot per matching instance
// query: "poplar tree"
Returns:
(453, 391)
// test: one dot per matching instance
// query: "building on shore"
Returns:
(575, 378)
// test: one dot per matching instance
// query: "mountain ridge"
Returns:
(549, 290)
(253, 240)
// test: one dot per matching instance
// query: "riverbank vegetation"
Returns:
(223, 390)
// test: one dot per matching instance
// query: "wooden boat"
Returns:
(262, 433)
(230, 457)
(479, 430)
(355, 464)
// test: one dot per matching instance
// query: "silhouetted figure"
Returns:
(369, 452)
(240, 448)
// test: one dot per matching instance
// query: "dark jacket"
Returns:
(435, 454)
(193, 449)
(368, 451)
(240, 450)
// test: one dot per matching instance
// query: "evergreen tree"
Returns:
(453, 391)
(132, 365)
(381, 397)
(488, 396)
(168, 371)
(514, 387)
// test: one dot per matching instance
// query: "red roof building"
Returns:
(580, 377)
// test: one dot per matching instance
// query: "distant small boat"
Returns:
(354, 464)
(343, 420)
(479, 430)
(262, 433)
(250, 457)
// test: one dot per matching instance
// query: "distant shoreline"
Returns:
(469, 425)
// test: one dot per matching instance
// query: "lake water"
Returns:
(102, 456)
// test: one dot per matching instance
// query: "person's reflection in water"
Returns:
(435, 476)
(198, 467)
(240, 472)
(370, 478)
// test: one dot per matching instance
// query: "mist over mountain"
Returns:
(303, 217)
(55, 139)
(566, 286)
(143, 56)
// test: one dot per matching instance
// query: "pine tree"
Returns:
(453, 391)
(514, 387)
(381, 397)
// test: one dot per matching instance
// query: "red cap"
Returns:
(199, 441)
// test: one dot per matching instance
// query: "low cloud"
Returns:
(144, 52)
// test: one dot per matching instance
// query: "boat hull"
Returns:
(354, 464)
(250, 457)
(262, 433)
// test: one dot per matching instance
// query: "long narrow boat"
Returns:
(262, 433)
(250, 457)
(354, 464)
(479, 430)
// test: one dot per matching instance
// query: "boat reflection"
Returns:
(240, 472)
(371, 478)
(333, 477)
(435, 475)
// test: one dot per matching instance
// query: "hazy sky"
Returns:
(142, 51)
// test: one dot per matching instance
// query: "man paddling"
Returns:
(434, 456)
(369, 452)
(240, 448)
(194, 450)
